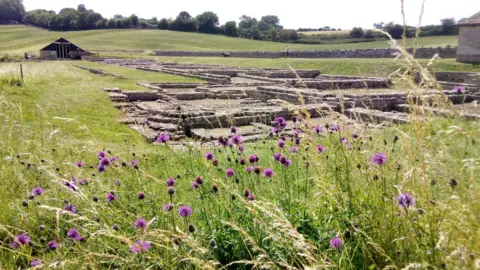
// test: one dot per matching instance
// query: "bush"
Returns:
(357, 32)
(163, 24)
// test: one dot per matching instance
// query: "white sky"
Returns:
(343, 14)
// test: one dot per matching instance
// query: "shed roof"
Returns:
(52, 46)
(474, 20)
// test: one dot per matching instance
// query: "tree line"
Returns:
(81, 18)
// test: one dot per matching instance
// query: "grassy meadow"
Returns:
(90, 193)
(18, 39)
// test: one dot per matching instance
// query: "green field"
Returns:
(17, 39)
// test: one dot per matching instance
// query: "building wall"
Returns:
(48, 55)
(469, 44)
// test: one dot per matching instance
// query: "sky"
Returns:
(344, 14)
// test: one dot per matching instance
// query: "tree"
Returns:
(183, 22)
(269, 21)
(288, 35)
(81, 8)
(230, 29)
(395, 30)
(357, 32)
(207, 22)
(11, 10)
(378, 25)
(163, 24)
(134, 20)
(449, 26)
(368, 34)
(256, 34)
(68, 19)
(247, 22)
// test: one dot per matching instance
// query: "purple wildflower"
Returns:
(275, 130)
(140, 247)
(249, 169)
(141, 195)
(277, 157)
(280, 123)
(281, 143)
(293, 149)
(37, 191)
(20, 240)
(237, 139)
(114, 159)
(199, 180)
(297, 141)
(230, 172)
(336, 243)
(101, 154)
(170, 182)
(73, 234)
(194, 185)
(233, 129)
(355, 136)
(35, 263)
(167, 207)
(70, 207)
(110, 197)
(458, 89)
(379, 159)
(84, 182)
(268, 172)
(317, 129)
(209, 156)
(251, 197)
(134, 163)
(241, 148)
(80, 164)
(405, 200)
(215, 162)
(105, 162)
(335, 128)
(253, 159)
(140, 224)
(185, 211)
(287, 163)
(101, 168)
(163, 138)
(320, 148)
(52, 245)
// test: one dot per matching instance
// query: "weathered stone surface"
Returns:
(377, 116)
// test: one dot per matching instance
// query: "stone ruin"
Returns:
(250, 98)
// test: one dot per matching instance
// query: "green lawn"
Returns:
(17, 39)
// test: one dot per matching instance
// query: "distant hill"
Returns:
(20, 38)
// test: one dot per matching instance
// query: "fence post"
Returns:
(21, 72)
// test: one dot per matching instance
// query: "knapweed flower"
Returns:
(223, 141)
(251, 197)
(336, 243)
(405, 200)
(209, 156)
(167, 207)
(163, 138)
(114, 159)
(281, 143)
(140, 224)
(141, 195)
(84, 182)
(37, 191)
(80, 164)
(320, 148)
(199, 180)
(52, 245)
(241, 148)
(170, 182)
(105, 162)
(72, 184)
(317, 129)
(237, 139)
(110, 197)
(257, 170)
(280, 123)
(268, 172)
(140, 247)
(134, 164)
(253, 159)
(194, 185)
(233, 129)
(287, 163)
(230, 172)
(297, 141)
(101, 154)
(101, 168)
(293, 149)
(249, 169)
(277, 157)
(379, 159)
(20, 240)
(73, 234)
(335, 128)
(185, 211)
(70, 207)
(458, 89)
(35, 263)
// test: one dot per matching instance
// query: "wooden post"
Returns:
(21, 72)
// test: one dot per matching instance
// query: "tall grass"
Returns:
(332, 206)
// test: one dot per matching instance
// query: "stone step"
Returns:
(377, 116)
(163, 119)
(149, 134)
(112, 90)
(163, 127)
(118, 97)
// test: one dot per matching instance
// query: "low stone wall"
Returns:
(459, 77)
(425, 53)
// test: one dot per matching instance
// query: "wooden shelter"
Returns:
(61, 49)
